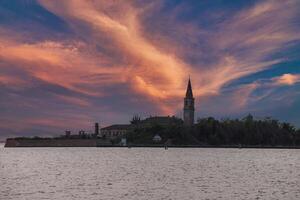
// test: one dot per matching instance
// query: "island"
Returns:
(171, 131)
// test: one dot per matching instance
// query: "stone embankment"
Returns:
(12, 142)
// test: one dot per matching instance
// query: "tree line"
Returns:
(210, 131)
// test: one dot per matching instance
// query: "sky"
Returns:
(65, 64)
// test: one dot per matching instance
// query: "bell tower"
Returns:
(189, 108)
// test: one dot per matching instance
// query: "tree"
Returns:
(135, 120)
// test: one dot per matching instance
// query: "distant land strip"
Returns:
(11, 142)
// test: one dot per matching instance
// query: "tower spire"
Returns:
(188, 108)
(189, 91)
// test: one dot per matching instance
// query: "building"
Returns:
(115, 130)
(96, 129)
(123, 142)
(189, 108)
(156, 138)
(160, 120)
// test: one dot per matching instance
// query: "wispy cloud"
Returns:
(247, 43)
(145, 62)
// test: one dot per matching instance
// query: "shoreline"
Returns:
(100, 143)
(206, 146)
(164, 147)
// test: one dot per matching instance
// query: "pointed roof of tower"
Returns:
(189, 91)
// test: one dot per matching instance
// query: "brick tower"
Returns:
(188, 109)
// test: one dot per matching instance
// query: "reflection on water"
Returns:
(145, 173)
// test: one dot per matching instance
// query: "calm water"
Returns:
(144, 173)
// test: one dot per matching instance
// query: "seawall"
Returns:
(56, 142)
(11, 142)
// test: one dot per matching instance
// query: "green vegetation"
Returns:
(209, 131)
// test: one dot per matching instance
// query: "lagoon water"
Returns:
(148, 173)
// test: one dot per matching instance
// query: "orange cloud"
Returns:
(155, 70)
(287, 79)
(59, 63)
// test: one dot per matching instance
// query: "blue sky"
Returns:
(67, 64)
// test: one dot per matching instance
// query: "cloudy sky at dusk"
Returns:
(65, 64)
